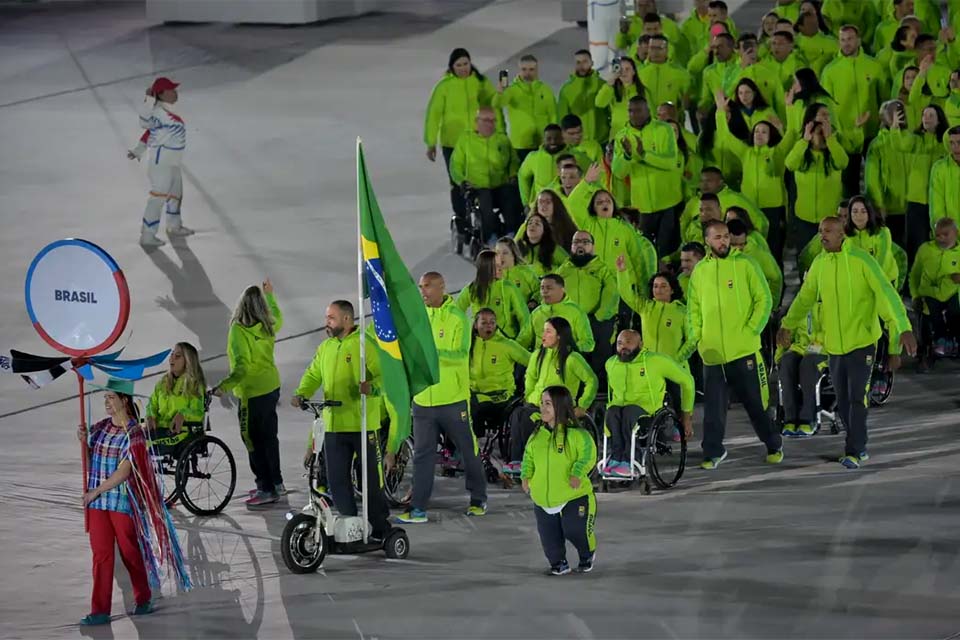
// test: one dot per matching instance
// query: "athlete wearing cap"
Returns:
(163, 142)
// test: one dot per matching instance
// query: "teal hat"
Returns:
(116, 385)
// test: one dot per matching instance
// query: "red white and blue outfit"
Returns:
(131, 516)
(162, 146)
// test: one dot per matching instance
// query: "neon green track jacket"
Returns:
(452, 108)
(728, 306)
(530, 107)
(944, 192)
(578, 96)
(486, 163)
(577, 377)
(819, 187)
(504, 299)
(642, 382)
(164, 405)
(451, 334)
(592, 287)
(853, 294)
(336, 369)
(491, 367)
(253, 372)
(663, 323)
(550, 461)
(932, 268)
(531, 333)
(655, 172)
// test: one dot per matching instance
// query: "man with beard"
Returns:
(539, 168)
(728, 305)
(578, 96)
(593, 287)
(336, 370)
(637, 381)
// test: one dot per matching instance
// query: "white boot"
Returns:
(179, 230)
(148, 239)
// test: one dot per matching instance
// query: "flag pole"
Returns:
(363, 357)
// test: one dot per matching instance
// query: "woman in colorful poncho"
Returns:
(125, 507)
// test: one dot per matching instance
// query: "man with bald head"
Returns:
(853, 294)
(444, 407)
(637, 381)
(485, 161)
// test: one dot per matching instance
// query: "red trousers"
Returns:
(105, 528)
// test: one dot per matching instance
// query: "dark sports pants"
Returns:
(340, 450)
(851, 380)
(747, 377)
(456, 197)
(575, 523)
(803, 371)
(663, 229)
(776, 238)
(258, 428)
(453, 420)
(507, 200)
(944, 316)
(521, 428)
(917, 228)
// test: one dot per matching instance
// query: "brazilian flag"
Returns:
(408, 355)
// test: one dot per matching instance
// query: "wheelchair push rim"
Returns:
(666, 458)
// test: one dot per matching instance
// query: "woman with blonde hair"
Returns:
(255, 381)
(180, 395)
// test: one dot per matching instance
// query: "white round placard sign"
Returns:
(77, 297)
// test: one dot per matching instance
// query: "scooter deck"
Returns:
(347, 548)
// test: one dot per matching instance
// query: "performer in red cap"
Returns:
(164, 142)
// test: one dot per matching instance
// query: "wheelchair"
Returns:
(493, 444)
(825, 401)
(468, 233)
(661, 458)
(881, 378)
(201, 465)
(397, 483)
(933, 347)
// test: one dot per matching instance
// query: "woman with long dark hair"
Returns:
(513, 268)
(451, 111)
(255, 380)
(555, 362)
(616, 94)
(806, 90)
(866, 230)
(925, 146)
(538, 246)
(490, 290)
(551, 207)
(817, 160)
(746, 109)
(557, 462)
(124, 507)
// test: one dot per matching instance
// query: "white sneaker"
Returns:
(150, 240)
(180, 231)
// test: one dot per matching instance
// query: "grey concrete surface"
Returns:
(800, 550)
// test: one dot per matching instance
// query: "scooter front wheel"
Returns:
(302, 549)
(397, 545)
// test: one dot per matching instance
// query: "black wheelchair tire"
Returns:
(195, 448)
(665, 420)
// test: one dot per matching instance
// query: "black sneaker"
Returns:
(561, 569)
(587, 567)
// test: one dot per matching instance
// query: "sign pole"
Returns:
(83, 451)
(363, 359)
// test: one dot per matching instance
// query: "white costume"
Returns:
(163, 144)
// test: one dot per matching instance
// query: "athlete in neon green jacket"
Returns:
(250, 353)
(451, 333)
(819, 184)
(578, 96)
(543, 371)
(530, 107)
(887, 170)
(944, 196)
(532, 331)
(178, 397)
(539, 168)
(857, 82)
(590, 285)
(762, 256)
(646, 152)
(662, 317)
(336, 369)
(486, 162)
(936, 269)
(642, 381)
(493, 358)
(616, 97)
(453, 106)
(503, 298)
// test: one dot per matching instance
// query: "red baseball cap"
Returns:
(163, 84)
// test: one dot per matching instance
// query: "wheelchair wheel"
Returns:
(456, 242)
(167, 470)
(666, 457)
(587, 423)
(881, 386)
(206, 476)
(301, 550)
(399, 482)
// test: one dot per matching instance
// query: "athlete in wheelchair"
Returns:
(638, 413)
(935, 289)
(485, 166)
(555, 362)
(493, 389)
(201, 469)
(801, 368)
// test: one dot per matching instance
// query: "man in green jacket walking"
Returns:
(578, 97)
(444, 407)
(728, 305)
(336, 370)
(530, 106)
(853, 294)
(557, 304)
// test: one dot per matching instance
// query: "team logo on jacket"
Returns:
(349, 358)
(463, 416)
(582, 511)
(870, 359)
(669, 322)
(729, 286)
(643, 371)
(616, 242)
(441, 333)
(493, 360)
(558, 370)
(496, 302)
(750, 365)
